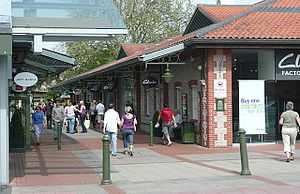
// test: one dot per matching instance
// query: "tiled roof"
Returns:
(152, 48)
(219, 13)
(131, 49)
(287, 3)
(273, 19)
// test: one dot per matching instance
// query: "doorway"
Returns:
(287, 91)
(19, 123)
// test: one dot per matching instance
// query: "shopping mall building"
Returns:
(233, 67)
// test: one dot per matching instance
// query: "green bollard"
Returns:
(151, 133)
(244, 154)
(59, 126)
(106, 178)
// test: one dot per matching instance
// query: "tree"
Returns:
(154, 20)
(147, 21)
(90, 54)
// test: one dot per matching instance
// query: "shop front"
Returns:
(278, 72)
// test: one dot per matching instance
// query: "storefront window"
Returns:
(156, 99)
(195, 105)
(147, 101)
(251, 64)
(177, 96)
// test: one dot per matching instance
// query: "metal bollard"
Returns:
(151, 133)
(244, 153)
(106, 178)
(59, 126)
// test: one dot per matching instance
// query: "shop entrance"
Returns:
(287, 91)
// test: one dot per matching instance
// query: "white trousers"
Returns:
(289, 136)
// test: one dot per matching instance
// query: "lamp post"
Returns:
(167, 76)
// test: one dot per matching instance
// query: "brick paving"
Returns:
(178, 169)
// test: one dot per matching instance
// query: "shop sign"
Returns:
(26, 79)
(150, 82)
(17, 88)
(220, 90)
(77, 91)
(287, 64)
(252, 106)
(108, 86)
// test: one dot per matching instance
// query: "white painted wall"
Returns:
(4, 145)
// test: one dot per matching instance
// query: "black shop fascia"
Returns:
(287, 64)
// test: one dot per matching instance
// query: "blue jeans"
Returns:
(71, 124)
(127, 137)
(113, 142)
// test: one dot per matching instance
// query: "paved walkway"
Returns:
(178, 169)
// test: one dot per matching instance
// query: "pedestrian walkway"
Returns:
(179, 169)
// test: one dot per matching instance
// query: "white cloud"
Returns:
(226, 2)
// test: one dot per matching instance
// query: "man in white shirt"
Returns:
(70, 117)
(111, 125)
(100, 108)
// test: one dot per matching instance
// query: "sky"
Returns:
(225, 2)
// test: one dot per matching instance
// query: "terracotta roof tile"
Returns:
(131, 49)
(287, 3)
(268, 22)
(222, 12)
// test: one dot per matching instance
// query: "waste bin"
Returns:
(188, 132)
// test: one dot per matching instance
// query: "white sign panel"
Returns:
(220, 90)
(26, 79)
(252, 106)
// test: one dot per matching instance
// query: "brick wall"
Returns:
(219, 70)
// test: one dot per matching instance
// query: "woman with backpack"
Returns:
(128, 123)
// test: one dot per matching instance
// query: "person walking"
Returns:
(38, 122)
(100, 109)
(128, 123)
(290, 126)
(168, 120)
(93, 112)
(58, 115)
(82, 116)
(111, 126)
(70, 117)
(49, 108)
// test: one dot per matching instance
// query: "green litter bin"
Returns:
(188, 132)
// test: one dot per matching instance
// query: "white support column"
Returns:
(4, 138)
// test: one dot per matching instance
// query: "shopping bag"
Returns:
(87, 123)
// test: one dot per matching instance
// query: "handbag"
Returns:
(87, 123)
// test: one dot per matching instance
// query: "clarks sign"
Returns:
(150, 82)
(287, 64)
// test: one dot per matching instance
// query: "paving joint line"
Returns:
(254, 177)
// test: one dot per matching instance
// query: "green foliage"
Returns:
(52, 95)
(90, 54)
(146, 20)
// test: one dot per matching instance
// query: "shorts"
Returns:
(99, 118)
(166, 128)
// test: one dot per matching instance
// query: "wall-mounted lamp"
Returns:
(167, 76)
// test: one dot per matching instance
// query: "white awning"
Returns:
(161, 53)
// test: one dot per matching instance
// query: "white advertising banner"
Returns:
(252, 106)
